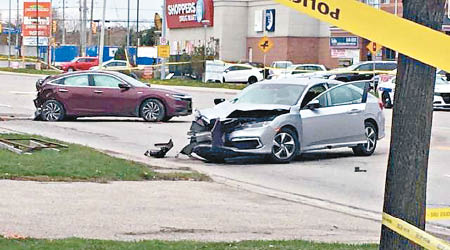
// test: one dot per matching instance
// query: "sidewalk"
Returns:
(168, 211)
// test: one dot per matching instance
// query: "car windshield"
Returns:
(282, 65)
(285, 94)
(133, 81)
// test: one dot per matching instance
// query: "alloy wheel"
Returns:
(371, 136)
(151, 111)
(283, 146)
(52, 111)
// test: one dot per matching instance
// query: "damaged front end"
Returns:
(242, 133)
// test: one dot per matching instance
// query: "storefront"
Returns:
(231, 31)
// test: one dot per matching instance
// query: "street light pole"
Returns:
(102, 36)
(64, 23)
(9, 35)
(137, 32)
(37, 29)
(17, 28)
(163, 35)
(128, 26)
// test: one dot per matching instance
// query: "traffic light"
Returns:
(54, 27)
(158, 22)
(94, 28)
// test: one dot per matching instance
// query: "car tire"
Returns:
(70, 118)
(70, 70)
(285, 146)
(52, 111)
(386, 99)
(368, 148)
(167, 118)
(252, 80)
(153, 110)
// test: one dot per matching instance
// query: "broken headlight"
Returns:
(256, 124)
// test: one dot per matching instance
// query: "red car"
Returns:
(97, 93)
(79, 63)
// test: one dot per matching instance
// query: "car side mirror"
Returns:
(313, 105)
(218, 100)
(124, 86)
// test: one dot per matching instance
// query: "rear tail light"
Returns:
(380, 103)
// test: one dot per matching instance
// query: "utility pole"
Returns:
(102, 36)
(9, 35)
(128, 26)
(163, 35)
(37, 29)
(17, 28)
(137, 32)
(90, 23)
(83, 23)
(64, 22)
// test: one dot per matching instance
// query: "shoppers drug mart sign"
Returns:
(189, 13)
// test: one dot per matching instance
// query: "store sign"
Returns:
(36, 22)
(344, 41)
(189, 13)
(32, 41)
(344, 53)
(270, 20)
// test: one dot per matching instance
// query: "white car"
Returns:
(280, 69)
(386, 88)
(242, 73)
(111, 63)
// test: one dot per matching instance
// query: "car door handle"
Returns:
(354, 111)
(63, 90)
(98, 91)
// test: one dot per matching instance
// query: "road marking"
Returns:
(6, 106)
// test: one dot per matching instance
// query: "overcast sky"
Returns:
(115, 10)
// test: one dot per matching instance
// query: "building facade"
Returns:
(234, 28)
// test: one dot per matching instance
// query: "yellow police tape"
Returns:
(412, 39)
(438, 214)
(414, 234)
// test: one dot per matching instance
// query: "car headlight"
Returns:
(178, 97)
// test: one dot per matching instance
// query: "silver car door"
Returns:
(339, 120)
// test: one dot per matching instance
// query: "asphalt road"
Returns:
(323, 178)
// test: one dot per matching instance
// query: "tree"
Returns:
(406, 178)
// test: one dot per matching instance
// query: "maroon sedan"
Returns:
(95, 93)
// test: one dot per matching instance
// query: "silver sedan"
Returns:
(286, 117)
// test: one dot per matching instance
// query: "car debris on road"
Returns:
(162, 151)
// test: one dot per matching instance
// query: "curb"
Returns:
(198, 89)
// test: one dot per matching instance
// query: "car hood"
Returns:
(243, 110)
(443, 88)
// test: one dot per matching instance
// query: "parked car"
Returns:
(285, 117)
(306, 68)
(119, 66)
(242, 73)
(79, 63)
(386, 88)
(358, 72)
(103, 93)
(280, 69)
(110, 63)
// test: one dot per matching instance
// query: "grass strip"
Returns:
(75, 243)
(30, 71)
(79, 163)
(193, 83)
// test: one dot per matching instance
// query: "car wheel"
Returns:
(386, 99)
(70, 70)
(52, 111)
(152, 110)
(285, 146)
(70, 118)
(252, 80)
(167, 118)
(367, 149)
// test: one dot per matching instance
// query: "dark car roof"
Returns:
(84, 73)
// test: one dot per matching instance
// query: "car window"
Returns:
(365, 67)
(106, 81)
(90, 59)
(82, 60)
(242, 68)
(232, 68)
(110, 64)
(312, 93)
(121, 64)
(346, 94)
(385, 66)
(77, 81)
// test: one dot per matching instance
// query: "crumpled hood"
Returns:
(225, 109)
